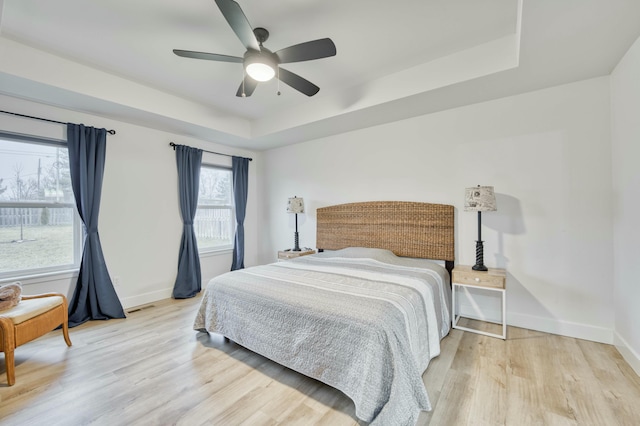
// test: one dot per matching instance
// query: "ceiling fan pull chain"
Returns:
(244, 95)
(278, 81)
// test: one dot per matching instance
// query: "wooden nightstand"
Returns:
(290, 254)
(491, 280)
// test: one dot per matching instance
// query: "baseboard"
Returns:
(563, 328)
(627, 353)
(143, 299)
(546, 325)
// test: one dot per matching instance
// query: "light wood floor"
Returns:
(153, 369)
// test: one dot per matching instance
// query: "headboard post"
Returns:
(448, 264)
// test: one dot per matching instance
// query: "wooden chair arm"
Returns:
(41, 295)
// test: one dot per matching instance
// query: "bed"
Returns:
(365, 315)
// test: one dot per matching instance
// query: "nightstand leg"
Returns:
(504, 315)
(453, 306)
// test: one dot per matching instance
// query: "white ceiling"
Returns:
(395, 59)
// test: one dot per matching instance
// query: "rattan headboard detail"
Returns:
(406, 228)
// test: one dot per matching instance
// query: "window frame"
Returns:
(231, 207)
(77, 225)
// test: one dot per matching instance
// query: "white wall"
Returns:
(140, 225)
(625, 129)
(547, 153)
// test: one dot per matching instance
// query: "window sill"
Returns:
(42, 278)
(212, 253)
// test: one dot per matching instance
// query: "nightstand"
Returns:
(493, 280)
(290, 254)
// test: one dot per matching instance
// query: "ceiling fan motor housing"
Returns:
(261, 34)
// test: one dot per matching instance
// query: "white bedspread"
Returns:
(361, 320)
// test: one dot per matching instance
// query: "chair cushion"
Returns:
(30, 308)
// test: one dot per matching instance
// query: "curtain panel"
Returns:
(188, 279)
(94, 297)
(240, 170)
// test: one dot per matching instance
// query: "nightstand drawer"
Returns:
(492, 278)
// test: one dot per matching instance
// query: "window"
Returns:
(214, 224)
(40, 230)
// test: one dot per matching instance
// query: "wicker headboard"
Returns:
(406, 228)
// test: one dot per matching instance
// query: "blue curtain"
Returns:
(188, 281)
(94, 296)
(240, 169)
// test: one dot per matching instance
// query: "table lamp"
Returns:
(296, 205)
(479, 199)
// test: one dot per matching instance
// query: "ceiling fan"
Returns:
(260, 63)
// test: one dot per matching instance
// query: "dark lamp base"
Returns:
(296, 246)
(479, 266)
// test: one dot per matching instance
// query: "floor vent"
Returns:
(140, 308)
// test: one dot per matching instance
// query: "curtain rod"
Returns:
(111, 132)
(173, 145)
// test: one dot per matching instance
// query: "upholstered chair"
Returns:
(32, 317)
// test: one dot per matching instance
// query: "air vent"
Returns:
(140, 308)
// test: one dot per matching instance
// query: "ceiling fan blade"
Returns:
(239, 23)
(248, 86)
(298, 83)
(316, 49)
(207, 56)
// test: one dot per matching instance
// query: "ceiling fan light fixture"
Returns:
(260, 72)
(260, 66)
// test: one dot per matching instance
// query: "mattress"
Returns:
(361, 320)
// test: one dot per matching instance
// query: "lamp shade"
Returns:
(479, 199)
(295, 205)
